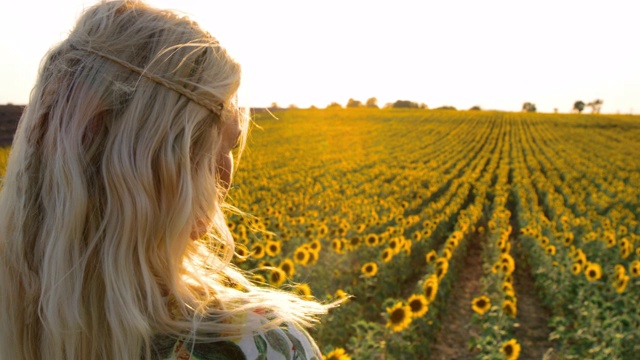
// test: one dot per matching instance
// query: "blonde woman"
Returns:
(113, 244)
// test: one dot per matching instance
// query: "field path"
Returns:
(452, 342)
(533, 332)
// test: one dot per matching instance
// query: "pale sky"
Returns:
(495, 54)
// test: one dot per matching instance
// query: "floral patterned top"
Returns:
(287, 342)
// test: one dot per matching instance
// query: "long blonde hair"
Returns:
(112, 167)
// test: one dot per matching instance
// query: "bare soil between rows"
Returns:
(452, 341)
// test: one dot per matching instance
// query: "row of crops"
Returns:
(382, 205)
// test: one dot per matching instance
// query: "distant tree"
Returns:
(405, 104)
(475, 108)
(555, 110)
(529, 107)
(595, 106)
(334, 105)
(274, 105)
(354, 103)
(293, 106)
(372, 103)
(313, 107)
(446, 107)
(423, 106)
(578, 106)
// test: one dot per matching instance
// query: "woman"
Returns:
(113, 243)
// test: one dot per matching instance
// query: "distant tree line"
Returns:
(595, 106)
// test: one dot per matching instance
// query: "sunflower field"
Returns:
(381, 208)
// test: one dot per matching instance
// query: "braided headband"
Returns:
(215, 107)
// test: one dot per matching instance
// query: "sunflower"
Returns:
(315, 246)
(431, 256)
(567, 239)
(621, 283)
(337, 354)
(416, 236)
(258, 279)
(399, 317)
(288, 267)
(506, 249)
(273, 248)
(372, 240)
(337, 245)
(551, 250)
(313, 257)
(507, 289)
(407, 247)
(576, 268)
(625, 248)
(446, 253)
(509, 308)
(634, 268)
(544, 241)
(610, 239)
(241, 253)
(265, 264)
(340, 294)
(418, 305)
(354, 242)
(496, 268)
(430, 287)
(323, 230)
(257, 251)
(387, 254)
(304, 291)
(301, 256)
(442, 266)
(511, 349)
(277, 277)
(481, 304)
(508, 264)
(394, 245)
(593, 271)
(369, 269)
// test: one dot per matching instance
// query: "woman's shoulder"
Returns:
(285, 342)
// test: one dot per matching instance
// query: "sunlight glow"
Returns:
(495, 54)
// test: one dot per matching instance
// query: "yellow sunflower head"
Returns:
(340, 294)
(337, 354)
(369, 269)
(481, 304)
(551, 250)
(304, 291)
(257, 251)
(430, 287)
(277, 277)
(509, 308)
(301, 256)
(288, 267)
(511, 349)
(576, 268)
(620, 284)
(431, 256)
(315, 246)
(273, 248)
(337, 245)
(372, 240)
(593, 271)
(387, 254)
(418, 305)
(399, 317)
(634, 268)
